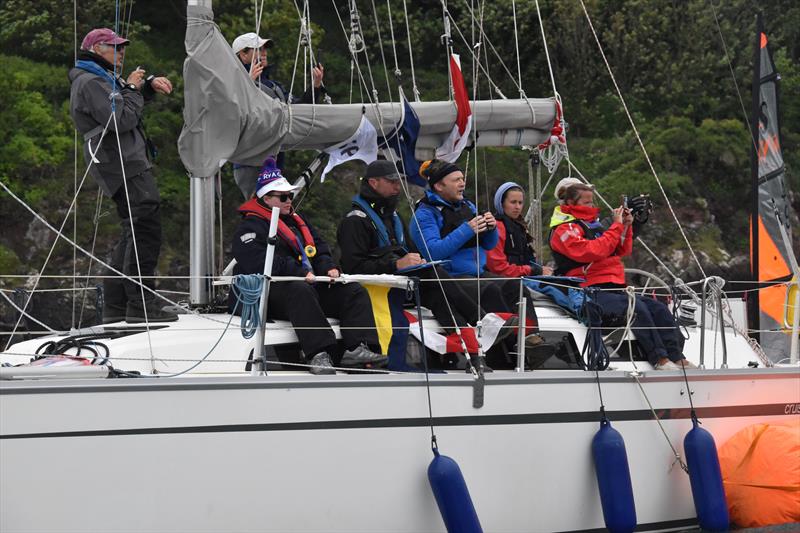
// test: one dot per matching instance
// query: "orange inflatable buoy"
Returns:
(761, 474)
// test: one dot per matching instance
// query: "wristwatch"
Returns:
(131, 86)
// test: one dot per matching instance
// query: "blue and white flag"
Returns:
(363, 145)
(403, 141)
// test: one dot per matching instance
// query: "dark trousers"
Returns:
(653, 324)
(501, 296)
(306, 306)
(463, 306)
(145, 212)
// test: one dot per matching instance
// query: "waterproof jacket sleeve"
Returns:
(426, 233)
(568, 239)
(129, 104)
(358, 244)
(497, 261)
(250, 248)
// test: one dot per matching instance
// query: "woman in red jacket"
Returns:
(583, 248)
(513, 256)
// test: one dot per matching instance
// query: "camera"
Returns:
(640, 205)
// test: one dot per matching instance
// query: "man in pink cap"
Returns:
(107, 111)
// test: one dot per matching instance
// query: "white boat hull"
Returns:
(350, 453)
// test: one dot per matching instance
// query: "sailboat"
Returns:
(221, 443)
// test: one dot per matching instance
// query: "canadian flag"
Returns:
(451, 148)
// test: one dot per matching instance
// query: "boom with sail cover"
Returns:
(227, 118)
(771, 253)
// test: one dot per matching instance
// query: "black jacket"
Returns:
(250, 247)
(359, 249)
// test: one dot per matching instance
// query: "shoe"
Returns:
(685, 363)
(113, 313)
(155, 313)
(479, 362)
(507, 329)
(669, 365)
(533, 340)
(321, 364)
(361, 355)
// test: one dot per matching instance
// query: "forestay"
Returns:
(226, 117)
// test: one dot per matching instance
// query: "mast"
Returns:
(753, 310)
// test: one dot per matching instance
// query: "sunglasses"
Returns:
(283, 197)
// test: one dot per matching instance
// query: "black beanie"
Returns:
(436, 169)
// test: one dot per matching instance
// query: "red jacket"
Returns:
(602, 256)
(497, 261)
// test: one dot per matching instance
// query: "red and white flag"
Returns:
(451, 148)
(491, 324)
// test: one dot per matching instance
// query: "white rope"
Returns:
(516, 47)
(397, 71)
(635, 375)
(639, 139)
(411, 54)
(380, 47)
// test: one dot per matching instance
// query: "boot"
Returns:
(537, 351)
(361, 355)
(135, 312)
(479, 362)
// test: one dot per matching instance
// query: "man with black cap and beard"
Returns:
(373, 240)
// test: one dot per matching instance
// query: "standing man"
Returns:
(118, 154)
(251, 50)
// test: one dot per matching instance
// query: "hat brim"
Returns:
(117, 40)
(276, 187)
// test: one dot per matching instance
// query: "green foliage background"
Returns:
(666, 55)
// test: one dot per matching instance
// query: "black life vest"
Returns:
(563, 263)
(518, 242)
(453, 218)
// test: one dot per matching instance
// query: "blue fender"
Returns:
(614, 479)
(452, 496)
(706, 479)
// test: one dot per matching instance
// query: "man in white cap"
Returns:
(251, 49)
(116, 150)
(300, 251)
(583, 248)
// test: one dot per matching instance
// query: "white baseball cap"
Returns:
(566, 183)
(250, 40)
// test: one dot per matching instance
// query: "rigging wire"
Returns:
(96, 224)
(639, 139)
(397, 72)
(380, 47)
(733, 76)
(411, 54)
(61, 229)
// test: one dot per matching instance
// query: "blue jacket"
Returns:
(426, 231)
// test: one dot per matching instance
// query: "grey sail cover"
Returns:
(227, 118)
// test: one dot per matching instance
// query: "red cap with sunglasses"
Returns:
(102, 36)
(270, 180)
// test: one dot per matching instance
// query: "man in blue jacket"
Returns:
(446, 226)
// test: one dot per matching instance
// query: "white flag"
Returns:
(363, 145)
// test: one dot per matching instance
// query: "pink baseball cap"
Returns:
(102, 36)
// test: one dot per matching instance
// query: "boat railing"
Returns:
(715, 283)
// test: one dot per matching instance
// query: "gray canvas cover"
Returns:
(226, 117)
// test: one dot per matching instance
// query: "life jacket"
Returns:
(384, 240)
(453, 217)
(591, 231)
(305, 250)
(518, 242)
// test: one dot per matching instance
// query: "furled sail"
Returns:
(226, 117)
(771, 253)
